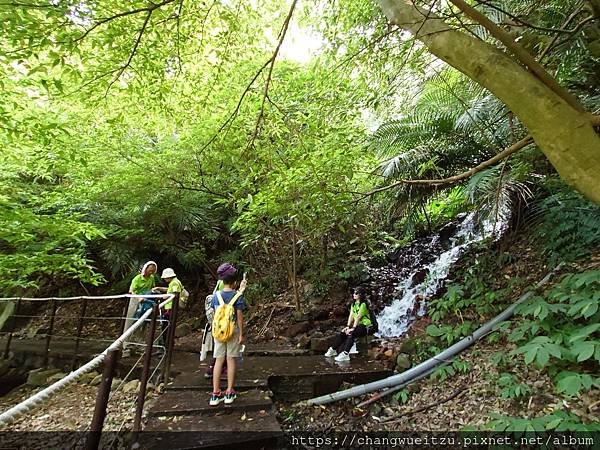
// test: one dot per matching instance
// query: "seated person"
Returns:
(359, 324)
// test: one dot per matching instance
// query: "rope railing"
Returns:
(80, 297)
(37, 399)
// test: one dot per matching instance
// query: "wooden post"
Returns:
(10, 327)
(93, 438)
(79, 329)
(171, 338)
(50, 331)
(145, 371)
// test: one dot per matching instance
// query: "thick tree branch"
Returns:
(282, 34)
(453, 179)
(133, 51)
(523, 55)
(100, 22)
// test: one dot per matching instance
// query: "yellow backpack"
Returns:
(223, 324)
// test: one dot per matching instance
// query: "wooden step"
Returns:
(239, 429)
(187, 403)
(187, 382)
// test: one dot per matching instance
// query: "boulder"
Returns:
(39, 377)
(319, 314)
(115, 383)
(320, 345)
(57, 376)
(340, 311)
(196, 323)
(402, 362)
(419, 277)
(303, 342)
(183, 329)
(297, 328)
(408, 346)
(86, 378)
(131, 386)
(299, 316)
(4, 366)
(308, 289)
(327, 326)
(12, 379)
(96, 380)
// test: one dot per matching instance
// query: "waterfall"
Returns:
(408, 297)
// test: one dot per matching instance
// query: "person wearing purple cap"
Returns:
(229, 350)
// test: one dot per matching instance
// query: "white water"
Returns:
(395, 319)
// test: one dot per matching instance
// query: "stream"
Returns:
(400, 289)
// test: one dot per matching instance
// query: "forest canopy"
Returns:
(195, 131)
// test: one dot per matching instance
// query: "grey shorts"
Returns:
(230, 348)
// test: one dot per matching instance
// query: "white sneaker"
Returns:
(353, 350)
(344, 356)
(331, 352)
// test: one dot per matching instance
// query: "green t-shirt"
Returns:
(140, 284)
(361, 308)
(174, 286)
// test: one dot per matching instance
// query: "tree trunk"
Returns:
(565, 135)
(294, 279)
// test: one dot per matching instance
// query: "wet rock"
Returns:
(447, 231)
(183, 329)
(39, 377)
(320, 345)
(297, 328)
(419, 277)
(402, 362)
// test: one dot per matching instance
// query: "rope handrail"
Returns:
(81, 297)
(8, 416)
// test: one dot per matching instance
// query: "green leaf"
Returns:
(542, 357)
(530, 355)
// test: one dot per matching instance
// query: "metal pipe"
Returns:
(93, 438)
(411, 374)
(145, 371)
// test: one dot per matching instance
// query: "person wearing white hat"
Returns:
(175, 286)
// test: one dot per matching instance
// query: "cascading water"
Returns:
(410, 292)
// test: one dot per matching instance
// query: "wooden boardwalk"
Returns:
(181, 417)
